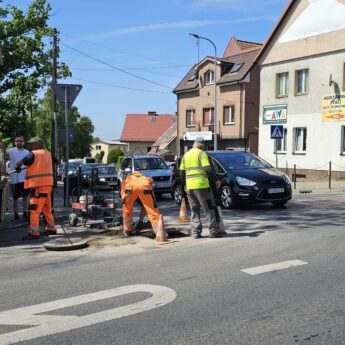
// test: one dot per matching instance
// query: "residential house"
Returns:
(165, 145)
(106, 147)
(302, 88)
(142, 130)
(237, 110)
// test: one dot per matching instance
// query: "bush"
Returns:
(114, 155)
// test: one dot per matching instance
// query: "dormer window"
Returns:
(192, 78)
(236, 67)
(209, 77)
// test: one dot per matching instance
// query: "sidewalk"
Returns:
(319, 187)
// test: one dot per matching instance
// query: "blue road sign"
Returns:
(277, 132)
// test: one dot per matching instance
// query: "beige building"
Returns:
(302, 87)
(106, 147)
(238, 81)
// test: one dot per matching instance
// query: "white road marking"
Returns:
(274, 267)
(43, 325)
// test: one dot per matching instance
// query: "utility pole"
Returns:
(53, 140)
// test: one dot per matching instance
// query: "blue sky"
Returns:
(130, 54)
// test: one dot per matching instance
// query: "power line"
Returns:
(119, 87)
(114, 67)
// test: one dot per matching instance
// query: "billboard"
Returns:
(333, 108)
(275, 114)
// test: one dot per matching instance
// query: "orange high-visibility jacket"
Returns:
(40, 172)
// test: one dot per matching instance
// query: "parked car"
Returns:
(72, 169)
(107, 176)
(151, 166)
(245, 179)
(86, 173)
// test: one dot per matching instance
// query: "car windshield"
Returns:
(149, 164)
(106, 170)
(241, 160)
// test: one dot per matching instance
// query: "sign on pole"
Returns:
(66, 94)
(277, 132)
(73, 92)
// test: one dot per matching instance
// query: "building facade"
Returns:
(237, 110)
(142, 130)
(302, 87)
(106, 147)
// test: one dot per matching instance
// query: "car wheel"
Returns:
(279, 203)
(226, 197)
(177, 193)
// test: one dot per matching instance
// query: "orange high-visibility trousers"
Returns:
(137, 186)
(40, 201)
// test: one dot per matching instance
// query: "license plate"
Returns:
(163, 185)
(275, 190)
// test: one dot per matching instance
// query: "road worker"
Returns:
(195, 173)
(39, 178)
(138, 186)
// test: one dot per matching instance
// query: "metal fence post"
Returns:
(294, 176)
(330, 175)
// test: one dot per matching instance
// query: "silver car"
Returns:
(150, 166)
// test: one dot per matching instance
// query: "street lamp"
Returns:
(215, 88)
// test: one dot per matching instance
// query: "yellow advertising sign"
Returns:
(333, 107)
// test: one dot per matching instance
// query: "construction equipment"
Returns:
(183, 218)
(92, 205)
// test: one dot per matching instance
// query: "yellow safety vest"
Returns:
(194, 163)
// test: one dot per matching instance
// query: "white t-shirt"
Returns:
(15, 156)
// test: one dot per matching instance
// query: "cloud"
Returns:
(174, 25)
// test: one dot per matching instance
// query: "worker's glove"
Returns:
(18, 168)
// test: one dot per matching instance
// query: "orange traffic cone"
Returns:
(183, 218)
(161, 236)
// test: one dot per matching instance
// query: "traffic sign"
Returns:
(277, 132)
(69, 90)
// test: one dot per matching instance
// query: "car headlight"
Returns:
(102, 179)
(286, 178)
(242, 181)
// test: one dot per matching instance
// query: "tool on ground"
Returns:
(221, 223)
(183, 218)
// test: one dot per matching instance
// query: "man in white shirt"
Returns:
(16, 154)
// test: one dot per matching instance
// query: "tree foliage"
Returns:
(81, 126)
(26, 64)
(113, 155)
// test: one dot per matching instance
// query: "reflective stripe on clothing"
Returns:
(194, 162)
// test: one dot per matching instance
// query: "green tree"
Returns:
(81, 126)
(26, 65)
(99, 157)
(113, 155)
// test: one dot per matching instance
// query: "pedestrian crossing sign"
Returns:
(277, 132)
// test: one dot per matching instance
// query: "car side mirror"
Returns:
(128, 170)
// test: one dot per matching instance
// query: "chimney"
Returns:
(152, 113)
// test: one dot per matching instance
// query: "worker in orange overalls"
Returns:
(39, 178)
(138, 186)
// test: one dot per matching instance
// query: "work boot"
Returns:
(35, 233)
(197, 235)
(51, 229)
(127, 234)
(16, 217)
(217, 235)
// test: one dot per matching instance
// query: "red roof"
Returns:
(144, 127)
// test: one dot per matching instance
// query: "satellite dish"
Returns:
(331, 81)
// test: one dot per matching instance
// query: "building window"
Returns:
(190, 118)
(229, 115)
(209, 77)
(98, 147)
(302, 81)
(148, 148)
(236, 67)
(208, 116)
(282, 84)
(300, 140)
(280, 145)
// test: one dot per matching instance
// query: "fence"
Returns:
(328, 176)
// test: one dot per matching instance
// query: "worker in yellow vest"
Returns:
(39, 179)
(138, 186)
(195, 173)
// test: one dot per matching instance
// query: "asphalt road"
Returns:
(205, 293)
